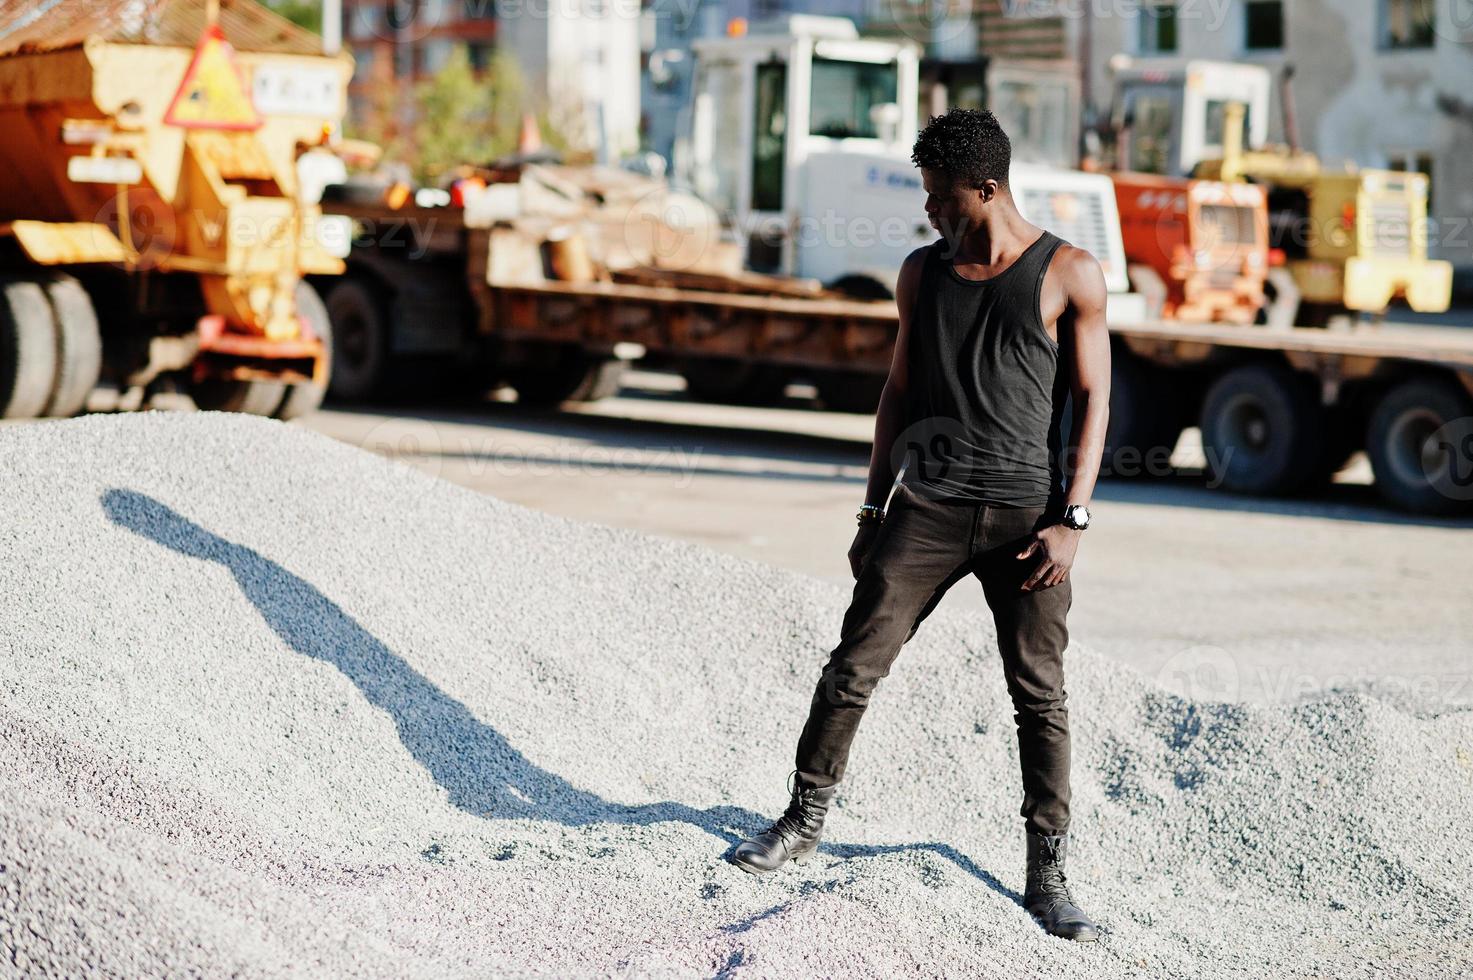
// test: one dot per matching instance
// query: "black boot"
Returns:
(793, 837)
(1046, 896)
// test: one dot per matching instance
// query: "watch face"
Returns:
(1078, 515)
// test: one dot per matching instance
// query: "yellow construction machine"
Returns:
(152, 230)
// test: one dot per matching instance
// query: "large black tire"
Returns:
(574, 377)
(861, 287)
(1263, 430)
(1144, 421)
(28, 348)
(245, 397)
(728, 381)
(306, 398)
(360, 340)
(78, 346)
(851, 391)
(1420, 441)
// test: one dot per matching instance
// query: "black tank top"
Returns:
(985, 397)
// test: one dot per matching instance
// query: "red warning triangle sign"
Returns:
(213, 94)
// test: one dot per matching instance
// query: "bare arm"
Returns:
(890, 416)
(1085, 339)
(1084, 346)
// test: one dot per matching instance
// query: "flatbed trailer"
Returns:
(1281, 409)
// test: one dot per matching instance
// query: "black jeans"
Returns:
(923, 548)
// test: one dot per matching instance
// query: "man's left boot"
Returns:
(1046, 896)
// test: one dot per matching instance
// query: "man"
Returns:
(1000, 323)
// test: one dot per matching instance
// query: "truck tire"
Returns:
(1420, 441)
(1263, 430)
(851, 391)
(78, 346)
(360, 340)
(728, 381)
(1143, 417)
(576, 378)
(28, 348)
(243, 397)
(861, 287)
(306, 398)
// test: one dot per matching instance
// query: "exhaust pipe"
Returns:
(1291, 116)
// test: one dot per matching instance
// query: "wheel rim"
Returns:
(1414, 456)
(352, 340)
(1246, 426)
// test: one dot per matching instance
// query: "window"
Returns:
(1408, 23)
(843, 94)
(1263, 25)
(1215, 125)
(770, 130)
(1149, 118)
(1415, 162)
(1157, 22)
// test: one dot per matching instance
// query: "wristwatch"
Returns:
(870, 514)
(1076, 516)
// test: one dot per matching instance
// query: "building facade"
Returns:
(581, 58)
(1379, 83)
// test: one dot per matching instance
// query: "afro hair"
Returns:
(965, 145)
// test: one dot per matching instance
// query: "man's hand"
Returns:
(863, 541)
(1058, 545)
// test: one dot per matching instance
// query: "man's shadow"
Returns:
(483, 774)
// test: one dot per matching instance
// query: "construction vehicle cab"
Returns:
(1199, 248)
(1036, 101)
(1170, 116)
(802, 135)
(801, 138)
(1352, 239)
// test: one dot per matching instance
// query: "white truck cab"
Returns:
(801, 135)
(1172, 113)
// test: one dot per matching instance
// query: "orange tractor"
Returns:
(1197, 249)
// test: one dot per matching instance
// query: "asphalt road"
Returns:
(1218, 596)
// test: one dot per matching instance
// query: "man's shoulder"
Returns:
(910, 269)
(1077, 271)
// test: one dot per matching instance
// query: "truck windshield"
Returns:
(1149, 117)
(1226, 225)
(844, 92)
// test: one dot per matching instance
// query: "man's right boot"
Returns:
(1046, 894)
(792, 837)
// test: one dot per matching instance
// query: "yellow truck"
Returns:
(152, 233)
(1352, 239)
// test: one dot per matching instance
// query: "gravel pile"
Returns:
(273, 704)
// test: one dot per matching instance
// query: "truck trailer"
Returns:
(151, 230)
(1280, 410)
